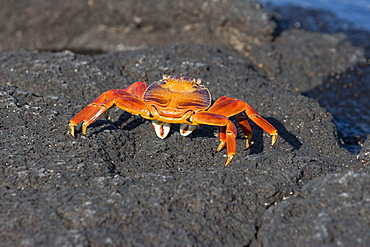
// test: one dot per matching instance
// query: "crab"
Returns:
(178, 100)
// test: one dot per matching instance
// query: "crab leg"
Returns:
(91, 112)
(137, 89)
(261, 122)
(126, 99)
(228, 131)
(246, 128)
(228, 107)
(244, 125)
(222, 137)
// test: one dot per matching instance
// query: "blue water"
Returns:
(354, 11)
(353, 126)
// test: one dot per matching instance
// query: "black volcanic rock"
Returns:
(121, 185)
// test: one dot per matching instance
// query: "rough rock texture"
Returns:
(279, 44)
(344, 91)
(363, 158)
(122, 186)
(99, 25)
(335, 211)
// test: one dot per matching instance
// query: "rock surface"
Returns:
(335, 211)
(122, 186)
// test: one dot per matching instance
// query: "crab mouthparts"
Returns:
(162, 129)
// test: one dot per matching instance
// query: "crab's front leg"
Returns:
(126, 99)
(228, 131)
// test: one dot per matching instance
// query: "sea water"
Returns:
(355, 11)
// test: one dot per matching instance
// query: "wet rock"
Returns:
(363, 158)
(342, 90)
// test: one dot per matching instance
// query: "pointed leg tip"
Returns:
(221, 146)
(273, 140)
(248, 144)
(72, 133)
(72, 130)
(84, 129)
(229, 158)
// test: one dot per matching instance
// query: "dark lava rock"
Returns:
(121, 185)
(344, 91)
(245, 26)
(330, 211)
(306, 51)
(100, 26)
(363, 158)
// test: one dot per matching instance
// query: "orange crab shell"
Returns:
(182, 100)
(174, 96)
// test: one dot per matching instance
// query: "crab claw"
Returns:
(161, 128)
(187, 129)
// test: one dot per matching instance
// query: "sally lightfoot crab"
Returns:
(179, 100)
